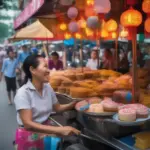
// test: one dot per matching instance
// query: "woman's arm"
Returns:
(26, 117)
(60, 108)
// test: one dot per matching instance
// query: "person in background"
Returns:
(140, 58)
(34, 51)
(21, 57)
(123, 62)
(107, 62)
(2, 56)
(35, 101)
(54, 62)
(24, 54)
(93, 62)
(9, 71)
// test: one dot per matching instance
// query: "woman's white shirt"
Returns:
(27, 97)
(92, 64)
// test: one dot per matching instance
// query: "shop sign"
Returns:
(28, 12)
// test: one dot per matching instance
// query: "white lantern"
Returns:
(72, 12)
(92, 22)
(73, 27)
(66, 2)
(102, 6)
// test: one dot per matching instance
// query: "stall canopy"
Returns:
(35, 31)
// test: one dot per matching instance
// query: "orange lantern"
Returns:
(131, 18)
(63, 26)
(89, 2)
(67, 36)
(114, 35)
(104, 33)
(124, 33)
(82, 23)
(89, 32)
(78, 36)
(111, 25)
(146, 6)
(147, 25)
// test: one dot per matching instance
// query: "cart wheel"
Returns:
(76, 147)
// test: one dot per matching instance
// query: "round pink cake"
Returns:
(127, 114)
(141, 110)
(110, 106)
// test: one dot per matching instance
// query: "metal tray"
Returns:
(68, 96)
(99, 114)
(134, 123)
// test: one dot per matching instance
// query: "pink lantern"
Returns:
(102, 6)
(92, 22)
(72, 12)
(73, 27)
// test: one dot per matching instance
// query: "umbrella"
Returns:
(35, 31)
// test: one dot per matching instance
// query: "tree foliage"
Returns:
(3, 30)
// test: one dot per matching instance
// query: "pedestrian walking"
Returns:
(22, 55)
(9, 68)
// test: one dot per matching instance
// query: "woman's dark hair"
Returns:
(30, 61)
(55, 54)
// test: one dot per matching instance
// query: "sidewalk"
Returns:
(8, 123)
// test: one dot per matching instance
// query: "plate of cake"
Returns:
(132, 114)
(97, 107)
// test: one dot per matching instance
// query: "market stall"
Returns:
(113, 108)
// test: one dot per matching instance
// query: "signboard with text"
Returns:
(28, 12)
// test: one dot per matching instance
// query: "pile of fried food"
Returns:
(83, 82)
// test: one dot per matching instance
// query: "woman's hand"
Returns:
(61, 108)
(68, 131)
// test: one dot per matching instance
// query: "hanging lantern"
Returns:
(92, 22)
(67, 36)
(89, 32)
(102, 6)
(147, 25)
(63, 26)
(131, 18)
(124, 33)
(111, 25)
(104, 33)
(78, 36)
(73, 27)
(114, 35)
(146, 6)
(82, 23)
(89, 2)
(72, 12)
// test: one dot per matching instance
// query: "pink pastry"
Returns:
(127, 114)
(142, 111)
(109, 105)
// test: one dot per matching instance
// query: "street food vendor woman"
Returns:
(35, 101)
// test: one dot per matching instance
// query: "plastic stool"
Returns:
(51, 143)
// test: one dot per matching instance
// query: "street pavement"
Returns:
(8, 123)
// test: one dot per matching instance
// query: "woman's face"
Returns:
(93, 55)
(41, 73)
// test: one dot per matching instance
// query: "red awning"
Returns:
(28, 12)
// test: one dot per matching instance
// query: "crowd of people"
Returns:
(11, 64)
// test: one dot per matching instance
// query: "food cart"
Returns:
(104, 128)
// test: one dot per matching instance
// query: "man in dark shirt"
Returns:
(54, 62)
